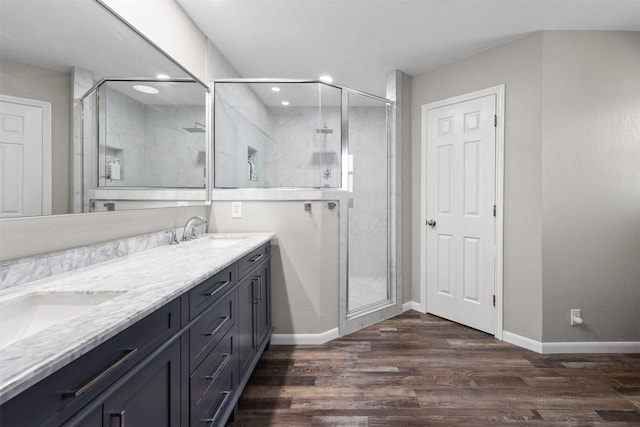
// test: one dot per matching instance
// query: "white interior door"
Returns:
(460, 215)
(25, 157)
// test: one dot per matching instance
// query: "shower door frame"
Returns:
(370, 314)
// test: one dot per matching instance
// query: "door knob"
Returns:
(431, 223)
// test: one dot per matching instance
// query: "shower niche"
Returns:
(114, 163)
(153, 128)
(252, 160)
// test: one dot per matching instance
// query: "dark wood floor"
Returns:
(420, 370)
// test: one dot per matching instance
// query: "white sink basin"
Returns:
(223, 242)
(27, 314)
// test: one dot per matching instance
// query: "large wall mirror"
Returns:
(71, 125)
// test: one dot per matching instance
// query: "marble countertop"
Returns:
(148, 280)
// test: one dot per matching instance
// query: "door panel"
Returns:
(460, 197)
(23, 184)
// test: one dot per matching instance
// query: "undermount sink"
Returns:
(28, 314)
(217, 241)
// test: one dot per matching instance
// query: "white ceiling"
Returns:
(359, 42)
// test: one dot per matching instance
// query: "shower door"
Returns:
(371, 292)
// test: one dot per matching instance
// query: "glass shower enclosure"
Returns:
(274, 134)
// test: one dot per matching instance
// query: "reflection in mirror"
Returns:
(275, 135)
(51, 53)
(152, 134)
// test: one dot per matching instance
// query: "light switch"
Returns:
(236, 209)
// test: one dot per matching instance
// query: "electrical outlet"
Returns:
(576, 317)
(236, 209)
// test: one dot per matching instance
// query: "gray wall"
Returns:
(519, 66)
(36, 235)
(591, 185)
(572, 186)
(28, 81)
(304, 273)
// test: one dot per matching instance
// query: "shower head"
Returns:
(197, 128)
(324, 129)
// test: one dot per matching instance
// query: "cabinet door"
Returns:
(246, 336)
(91, 417)
(150, 396)
(262, 305)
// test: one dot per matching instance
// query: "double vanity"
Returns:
(166, 336)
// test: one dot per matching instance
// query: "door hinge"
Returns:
(495, 120)
(494, 300)
(494, 210)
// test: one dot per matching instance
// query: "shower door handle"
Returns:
(431, 223)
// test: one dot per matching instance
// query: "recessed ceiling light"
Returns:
(162, 76)
(285, 103)
(326, 79)
(275, 89)
(146, 89)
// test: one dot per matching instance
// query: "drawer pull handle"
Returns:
(220, 408)
(217, 329)
(120, 418)
(95, 380)
(222, 365)
(220, 285)
(256, 258)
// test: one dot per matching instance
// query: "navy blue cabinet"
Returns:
(254, 319)
(185, 364)
(147, 395)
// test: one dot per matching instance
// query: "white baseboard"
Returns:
(591, 347)
(521, 341)
(571, 347)
(305, 339)
(412, 305)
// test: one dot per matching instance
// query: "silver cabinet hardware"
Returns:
(217, 329)
(95, 380)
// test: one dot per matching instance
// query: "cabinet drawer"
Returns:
(213, 369)
(253, 259)
(66, 391)
(217, 400)
(207, 331)
(211, 289)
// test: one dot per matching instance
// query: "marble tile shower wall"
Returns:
(175, 157)
(235, 134)
(242, 122)
(124, 134)
(150, 141)
(299, 156)
(368, 144)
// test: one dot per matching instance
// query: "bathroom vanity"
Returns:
(173, 345)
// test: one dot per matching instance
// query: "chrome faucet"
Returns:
(189, 227)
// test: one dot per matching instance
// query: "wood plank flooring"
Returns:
(421, 370)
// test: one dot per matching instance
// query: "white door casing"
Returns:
(462, 177)
(25, 157)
